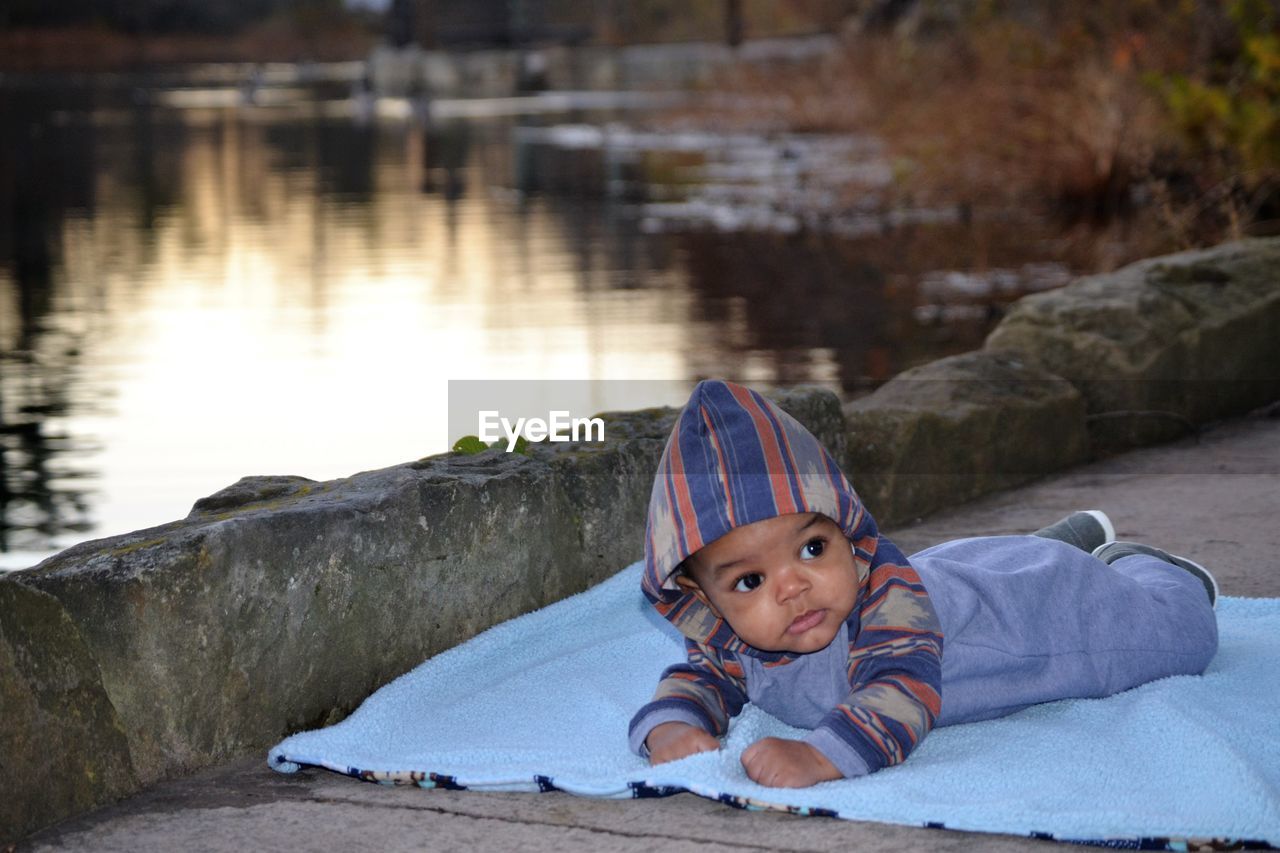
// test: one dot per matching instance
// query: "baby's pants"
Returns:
(1028, 620)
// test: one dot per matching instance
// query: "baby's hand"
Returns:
(669, 741)
(781, 763)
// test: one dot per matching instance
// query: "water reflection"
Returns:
(191, 295)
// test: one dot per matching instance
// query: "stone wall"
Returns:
(1160, 345)
(279, 603)
(1109, 362)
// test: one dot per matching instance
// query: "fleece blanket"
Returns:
(542, 703)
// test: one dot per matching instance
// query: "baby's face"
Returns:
(785, 584)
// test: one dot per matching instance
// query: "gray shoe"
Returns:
(1113, 551)
(1087, 529)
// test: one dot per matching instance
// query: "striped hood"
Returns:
(732, 459)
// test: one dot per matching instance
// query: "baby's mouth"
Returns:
(805, 621)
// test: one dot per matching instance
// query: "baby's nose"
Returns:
(791, 582)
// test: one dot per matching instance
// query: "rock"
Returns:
(221, 634)
(280, 603)
(254, 490)
(1160, 345)
(62, 747)
(951, 430)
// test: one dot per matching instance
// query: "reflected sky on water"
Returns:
(192, 295)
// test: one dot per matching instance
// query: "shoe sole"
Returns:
(1071, 535)
(1191, 567)
(1206, 577)
(1108, 529)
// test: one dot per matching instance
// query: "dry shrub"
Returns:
(1002, 118)
(1066, 111)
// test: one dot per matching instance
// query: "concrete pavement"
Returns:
(1215, 499)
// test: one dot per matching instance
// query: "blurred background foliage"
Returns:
(1228, 113)
(1153, 116)
(39, 34)
(113, 35)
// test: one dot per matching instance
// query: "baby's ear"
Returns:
(689, 585)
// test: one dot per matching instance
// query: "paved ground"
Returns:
(1216, 500)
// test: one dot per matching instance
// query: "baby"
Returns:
(758, 550)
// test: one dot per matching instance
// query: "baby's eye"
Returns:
(746, 583)
(813, 548)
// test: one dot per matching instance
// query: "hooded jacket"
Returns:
(734, 458)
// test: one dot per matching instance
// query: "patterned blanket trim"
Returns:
(639, 790)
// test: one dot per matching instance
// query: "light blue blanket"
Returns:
(542, 702)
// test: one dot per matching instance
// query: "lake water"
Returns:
(195, 287)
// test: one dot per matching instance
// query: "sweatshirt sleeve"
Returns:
(705, 691)
(895, 677)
